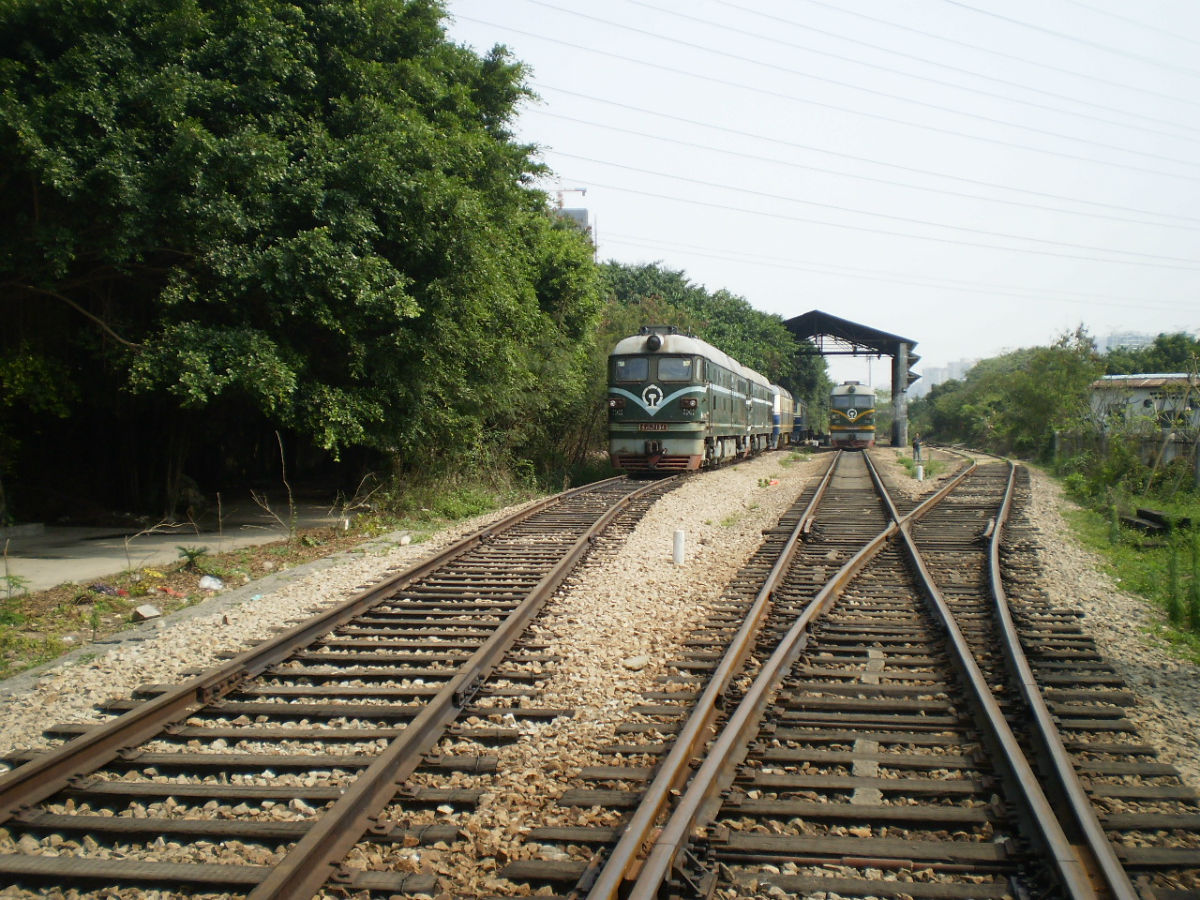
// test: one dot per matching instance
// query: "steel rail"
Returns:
(697, 730)
(40, 778)
(1099, 861)
(316, 857)
(699, 801)
(1072, 873)
(1104, 864)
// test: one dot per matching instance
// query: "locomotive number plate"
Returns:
(652, 426)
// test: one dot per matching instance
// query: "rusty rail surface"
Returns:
(319, 847)
(1085, 863)
(643, 879)
(697, 730)
(1095, 853)
(1072, 872)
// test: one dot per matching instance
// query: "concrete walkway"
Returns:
(47, 556)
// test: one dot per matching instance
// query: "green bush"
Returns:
(1077, 487)
(464, 502)
(1166, 573)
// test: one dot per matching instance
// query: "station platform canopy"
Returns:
(834, 336)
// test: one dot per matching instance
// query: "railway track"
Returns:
(820, 734)
(258, 777)
(1150, 816)
(876, 741)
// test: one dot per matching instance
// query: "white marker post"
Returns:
(679, 541)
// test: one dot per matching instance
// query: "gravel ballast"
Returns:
(615, 626)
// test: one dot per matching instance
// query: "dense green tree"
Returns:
(1169, 353)
(755, 339)
(1014, 403)
(310, 215)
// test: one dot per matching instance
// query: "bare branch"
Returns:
(261, 499)
(75, 306)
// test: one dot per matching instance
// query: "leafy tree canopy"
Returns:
(1015, 402)
(652, 294)
(311, 210)
(1168, 353)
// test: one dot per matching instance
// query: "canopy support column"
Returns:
(899, 396)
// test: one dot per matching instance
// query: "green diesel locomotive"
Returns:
(676, 404)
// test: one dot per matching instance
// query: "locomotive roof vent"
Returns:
(657, 332)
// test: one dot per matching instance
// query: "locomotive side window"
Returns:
(675, 368)
(631, 368)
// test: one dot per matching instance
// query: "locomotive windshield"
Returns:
(631, 368)
(675, 368)
(844, 401)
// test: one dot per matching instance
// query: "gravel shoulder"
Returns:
(615, 626)
(200, 636)
(1168, 688)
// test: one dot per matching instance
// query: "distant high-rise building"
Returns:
(932, 376)
(577, 215)
(580, 218)
(1128, 340)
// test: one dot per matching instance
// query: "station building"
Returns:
(1147, 402)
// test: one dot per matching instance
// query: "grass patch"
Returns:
(40, 626)
(1165, 572)
(932, 466)
(793, 457)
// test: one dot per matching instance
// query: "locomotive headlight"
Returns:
(616, 402)
(687, 403)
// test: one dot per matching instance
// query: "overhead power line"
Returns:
(937, 107)
(1189, 263)
(842, 109)
(1174, 35)
(980, 48)
(1137, 259)
(1116, 51)
(791, 164)
(891, 277)
(724, 26)
(795, 145)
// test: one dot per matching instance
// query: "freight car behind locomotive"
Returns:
(852, 416)
(676, 403)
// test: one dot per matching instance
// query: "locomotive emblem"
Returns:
(652, 396)
(852, 414)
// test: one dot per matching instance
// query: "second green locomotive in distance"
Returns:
(676, 403)
(852, 416)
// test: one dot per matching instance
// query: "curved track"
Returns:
(883, 746)
(857, 716)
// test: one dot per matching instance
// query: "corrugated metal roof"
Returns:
(1149, 380)
(853, 337)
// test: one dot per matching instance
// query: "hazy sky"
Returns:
(976, 176)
